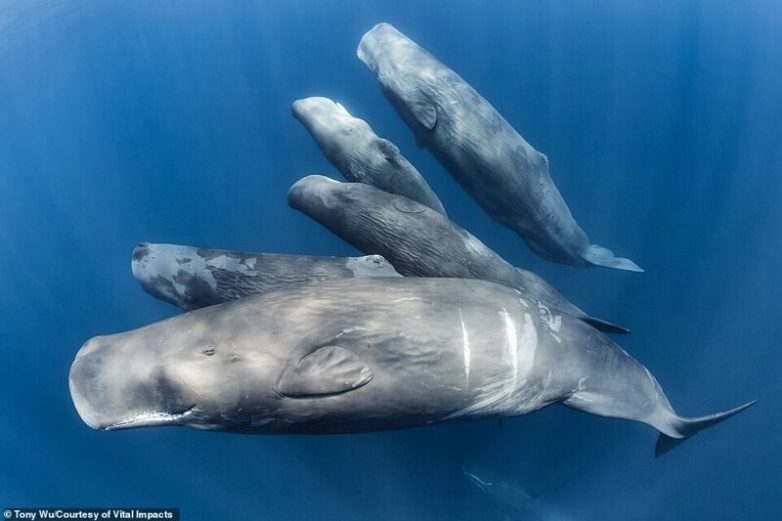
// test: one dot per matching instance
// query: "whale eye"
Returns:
(209, 350)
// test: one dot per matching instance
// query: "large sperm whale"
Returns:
(351, 145)
(192, 278)
(481, 150)
(358, 355)
(416, 240)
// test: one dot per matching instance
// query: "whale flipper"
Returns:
(329, 370)
(603, 257)
(605, 326)
(421, 108)
(686, 427)
(389, 150)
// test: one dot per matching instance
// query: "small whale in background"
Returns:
(361, 156)
(416, 240)
(507, 496)
(192, 278)
(358, 355)
(483, 152)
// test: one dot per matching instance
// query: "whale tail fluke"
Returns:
(603, 257)
(683, 428)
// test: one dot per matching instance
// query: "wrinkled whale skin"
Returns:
(358, 355)
(416, 240)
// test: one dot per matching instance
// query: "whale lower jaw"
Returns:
(150, 419)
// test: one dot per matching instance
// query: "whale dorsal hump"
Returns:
(328, 370)
(421, 108)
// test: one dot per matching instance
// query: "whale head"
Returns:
(318, 196)
(409, 77)
(382, 46)
(338, 134)
(181, 371)
(173, 273)
(323, 115)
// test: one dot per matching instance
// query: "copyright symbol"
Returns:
(7, 514)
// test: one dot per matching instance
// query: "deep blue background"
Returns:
(170, 122)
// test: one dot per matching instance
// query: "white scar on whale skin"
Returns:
(404, 299)
(513, 343)
(466, 343)
(152, 416)
(554, 323)
(529, 341)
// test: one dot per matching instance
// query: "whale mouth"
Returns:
(149, 419)
(111, 393)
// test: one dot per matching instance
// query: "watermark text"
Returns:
(91, 514)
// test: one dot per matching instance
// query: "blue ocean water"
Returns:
(129, 121)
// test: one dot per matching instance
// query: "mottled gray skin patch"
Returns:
(483, 152)
(370, 266)
(415, 239)
(357, 355)
(361, 156)
(192, 278)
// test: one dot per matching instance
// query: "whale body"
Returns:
(505, 175)
(192, 278)
(351, 145)
(359, 355)
(416, 240)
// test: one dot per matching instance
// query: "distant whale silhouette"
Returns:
(507, 496)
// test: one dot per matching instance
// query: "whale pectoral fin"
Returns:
(389, 150)
(421, 108)
(603, 257)
(327, 371)
(605, 326)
